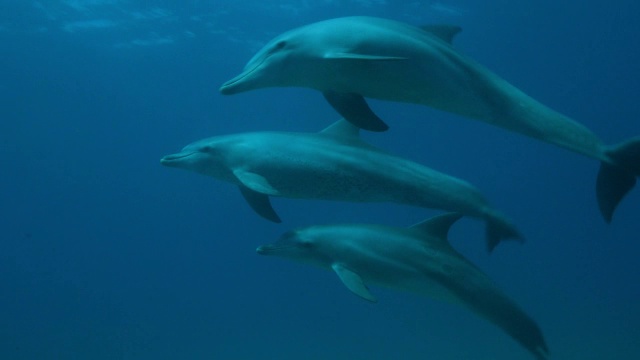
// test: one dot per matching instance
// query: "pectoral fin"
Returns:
(353, 282)
(354, 108)
(255, 182)
(260, 204)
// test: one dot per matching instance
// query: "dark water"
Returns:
(105, 254)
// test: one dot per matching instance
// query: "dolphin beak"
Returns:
(238, 84)
(243, 81)
(174, 160)
(275, 248)
(230, 87)
(263, 250)
(268, 249)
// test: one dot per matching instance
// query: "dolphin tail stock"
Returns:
(522, 328)
(486, 300)
(490, 303)
(499, 228)
(617, 176)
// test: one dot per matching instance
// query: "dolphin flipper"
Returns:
(354, 108)
(353, 282)
(617, 178)
(255, 182)
(260, 203)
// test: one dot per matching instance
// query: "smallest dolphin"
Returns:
(418, 259)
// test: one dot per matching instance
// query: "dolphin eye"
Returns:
(277, 47)
(205, 149)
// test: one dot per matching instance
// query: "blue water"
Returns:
(106, 254)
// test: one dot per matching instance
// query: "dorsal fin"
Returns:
(342, 128)
(437, 226)
(444, 32)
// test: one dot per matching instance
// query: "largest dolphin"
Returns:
(334, 164)
(351, 58)
(418, 260)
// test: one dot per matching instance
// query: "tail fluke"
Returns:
(618, 177)
(498, 229)
(612, 185)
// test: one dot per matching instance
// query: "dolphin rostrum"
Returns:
(353, 58)
(334, 164)
(418, 259)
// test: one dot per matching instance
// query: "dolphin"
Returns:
(353, 58)
(418, 259)
(334, 164)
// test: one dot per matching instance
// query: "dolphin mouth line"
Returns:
(236, 79)
(270, 248)
(175, 157)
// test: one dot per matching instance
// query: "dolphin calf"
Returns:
(418, 259)
(352, 58)
(334, 164)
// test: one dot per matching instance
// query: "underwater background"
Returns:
(106, 254)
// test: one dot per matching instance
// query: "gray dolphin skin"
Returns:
(334, 164)
(418, 259)
(390, 60)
